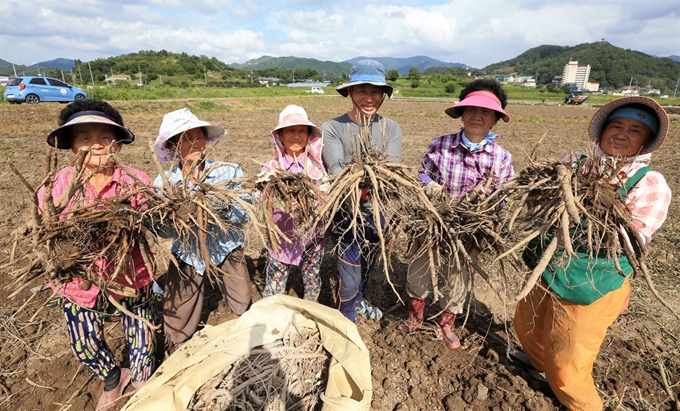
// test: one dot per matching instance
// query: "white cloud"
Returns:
(473, 32)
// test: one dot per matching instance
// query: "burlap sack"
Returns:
(214, 349)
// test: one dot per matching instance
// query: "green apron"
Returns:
(581, 278)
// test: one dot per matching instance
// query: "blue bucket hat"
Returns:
(366, 72)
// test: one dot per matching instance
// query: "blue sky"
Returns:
(472, 32)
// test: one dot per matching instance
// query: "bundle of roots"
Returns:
(459, 232)
(287, 374)
(193, 210)
(66, 239)
(293, 194)
(575, 207)
(389, 190)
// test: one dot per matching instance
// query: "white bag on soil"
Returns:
(216, 349)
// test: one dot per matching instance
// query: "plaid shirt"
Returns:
(648, 201)
(139, 273)
(449, 163)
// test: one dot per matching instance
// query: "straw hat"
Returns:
(601, 117)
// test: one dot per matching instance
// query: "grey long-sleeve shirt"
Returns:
(341, 139)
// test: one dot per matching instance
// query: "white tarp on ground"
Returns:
(214, 349)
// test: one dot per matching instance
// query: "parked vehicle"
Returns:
(317, 90)
(32, 90)
(575, 96)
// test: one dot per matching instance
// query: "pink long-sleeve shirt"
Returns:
(137, 274)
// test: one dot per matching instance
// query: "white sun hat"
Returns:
(177, 122)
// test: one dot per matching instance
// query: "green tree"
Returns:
(450, 88)
(414, 73)
(392, 75)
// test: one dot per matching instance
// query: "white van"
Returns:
(317, 90)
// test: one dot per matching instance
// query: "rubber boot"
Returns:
(445, 321)
(108, 398)
(416, 312)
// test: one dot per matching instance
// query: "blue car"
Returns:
(33, 90)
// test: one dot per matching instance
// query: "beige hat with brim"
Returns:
(61, 137)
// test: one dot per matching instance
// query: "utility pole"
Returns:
(139, 70)
(15, 70)
(91, 76)
(205, 75)
(676, 87)
(81, 73)
(293, 75)
(62, 76)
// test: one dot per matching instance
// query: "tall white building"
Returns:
(574, 73)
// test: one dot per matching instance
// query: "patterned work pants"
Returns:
(86, 335)
(278, 272)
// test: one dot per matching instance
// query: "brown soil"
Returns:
(410, 372)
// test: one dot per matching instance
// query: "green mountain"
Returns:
(7, 70)
(611, 66)
(60, 63)
(331, 69)
(403, 65)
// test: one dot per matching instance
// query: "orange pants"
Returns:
(563, 339)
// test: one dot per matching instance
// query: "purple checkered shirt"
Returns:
(449, 163)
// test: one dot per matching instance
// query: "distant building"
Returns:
(115, 78)
(310, 84)
(592, 87)
(269, 81)
(648, 91)
(3, 80)
(526, 81)
(574, 73)
(628, 91)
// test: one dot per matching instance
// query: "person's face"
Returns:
(189, 144)
(477, 122)
(98, 139)
(367, 98)
(624, 137)
(294, 139)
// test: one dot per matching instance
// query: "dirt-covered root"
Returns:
(74, 236)
(192, 211)
(375, 193)
(576, 210)
(291, 197)
(289, 373)
(463, 232)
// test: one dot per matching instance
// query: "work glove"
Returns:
(264, 176)
(434, 190)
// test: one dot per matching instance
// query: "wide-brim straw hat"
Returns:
(480, 98)
(60, 137)
(366, 72)
(294, 115)
(599, 120)
(177, 122)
